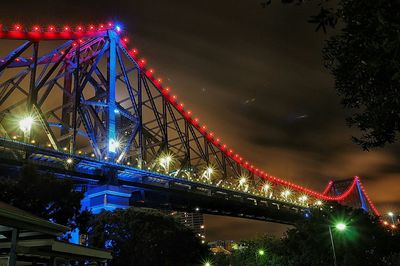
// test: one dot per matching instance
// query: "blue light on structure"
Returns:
(118, 28)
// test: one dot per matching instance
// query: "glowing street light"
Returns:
(208, 172)
(303, 199)
(25, 124)
(286, 193)
(261, 252)
(391, 215)
(340, 226)
(113, 145)
(266, 187)
(69, 160)
(166, 161)
(242, 181)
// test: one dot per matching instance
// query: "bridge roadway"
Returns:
(149, 189)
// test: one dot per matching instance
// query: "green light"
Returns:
(261, 252)
(341, 226)
(207, 264)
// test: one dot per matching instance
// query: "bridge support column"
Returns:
(111, 101)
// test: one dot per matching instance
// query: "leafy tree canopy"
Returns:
(43, 195)
(363, 56)
(145, 237)
(364, 242)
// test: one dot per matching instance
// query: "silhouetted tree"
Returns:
(364, 242)
(43, 195)
(363, 56)
(145, 237)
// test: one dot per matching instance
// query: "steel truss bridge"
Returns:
(77, 102)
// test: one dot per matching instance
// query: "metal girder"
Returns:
(95, 87)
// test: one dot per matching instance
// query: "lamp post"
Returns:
(339, 227)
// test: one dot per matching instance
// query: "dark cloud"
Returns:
(238, 51)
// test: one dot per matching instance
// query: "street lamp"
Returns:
(340, 227)
(207, 263)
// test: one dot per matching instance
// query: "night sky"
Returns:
(254, 75)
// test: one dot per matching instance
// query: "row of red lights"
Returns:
(65, 28)
(224, 147)
(328, 187)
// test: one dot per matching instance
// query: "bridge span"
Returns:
(79, 103)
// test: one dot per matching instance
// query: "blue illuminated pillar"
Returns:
(112, 65)
(362, 198)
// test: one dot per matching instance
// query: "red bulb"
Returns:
(125, 40)
(79, 28)
(51, 28)
(91, 27)
(134, 51)
(18, 27)
(151, 70)
(66, 28)
(159, 80)
(36, 28)
(142, 61)
(101, 26)
(110, 24)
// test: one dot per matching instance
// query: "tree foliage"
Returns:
(43, 195)
(364, 242)
(145, 237)
(363, 56)
(365, 61)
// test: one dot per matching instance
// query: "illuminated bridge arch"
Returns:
(79, 99)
